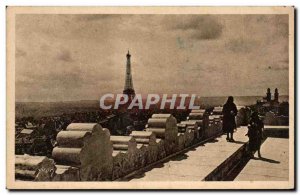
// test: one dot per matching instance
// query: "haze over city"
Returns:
(81, 57)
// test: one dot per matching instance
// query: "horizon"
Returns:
(142, 98)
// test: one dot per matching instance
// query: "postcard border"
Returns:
(10, 105)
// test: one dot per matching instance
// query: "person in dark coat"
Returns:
(255, 134)
(229, 113)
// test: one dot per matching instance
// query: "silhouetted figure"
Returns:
(229, 113)
(255, 134)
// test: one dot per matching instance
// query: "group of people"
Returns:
(255, 126)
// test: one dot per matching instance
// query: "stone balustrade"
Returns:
(164, 126)
(87, 152)
(124, 152)
(34, 168)
(87, 147)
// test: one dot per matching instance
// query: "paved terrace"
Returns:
(274, 166)
(197, 163)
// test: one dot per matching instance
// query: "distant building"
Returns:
(27, 133)
(24, 141)
(267, 104)
(276, 95)
(29, 125)
(128, 88)
(268, 97)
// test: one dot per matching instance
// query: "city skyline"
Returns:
(81, 57)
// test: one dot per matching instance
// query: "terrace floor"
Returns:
(197, 163)
(273, 166)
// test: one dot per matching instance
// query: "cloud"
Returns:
(183, 44)
(65, 55)
(202, 67)
(240, 45)
(200, 27)
(279, 22)
(62, 79)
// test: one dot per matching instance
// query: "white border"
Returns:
(3, 3)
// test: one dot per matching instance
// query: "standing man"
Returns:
(229, 113)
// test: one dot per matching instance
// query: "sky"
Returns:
(81, 57)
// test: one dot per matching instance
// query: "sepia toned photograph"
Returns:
(150, 98)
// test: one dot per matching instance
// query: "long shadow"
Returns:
(267, 160)
(212, 141)
(244, 161)
(236, 171)
(179, 157)
(238, 142)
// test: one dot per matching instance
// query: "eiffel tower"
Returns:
(128, 89)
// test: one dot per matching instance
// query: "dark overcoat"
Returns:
(255, 134)
(229, 113)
